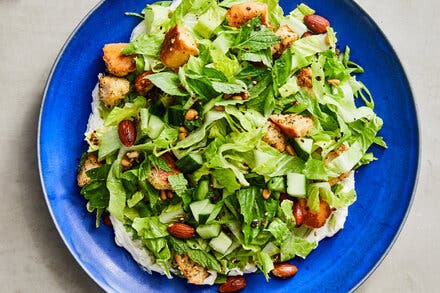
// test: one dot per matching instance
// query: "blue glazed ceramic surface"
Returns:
(339, 264)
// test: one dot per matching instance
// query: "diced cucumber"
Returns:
(155, 126)
(303, 147)
(296, 184)
(220, 243)
(202, 207)
(208, 231)
(209, 21)
(231, 248)
(202, 190)
(190, 163)
(151, 125)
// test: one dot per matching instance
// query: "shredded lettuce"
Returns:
(210, 118)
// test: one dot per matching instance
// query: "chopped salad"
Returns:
(224, 137)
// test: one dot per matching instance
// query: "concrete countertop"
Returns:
(33, 257)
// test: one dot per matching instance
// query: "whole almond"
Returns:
(107, 221)
(233, 284)
(127, 132)
(316, 23)
(299, 211)
(181, 231)
(284, 270)
(307, 34)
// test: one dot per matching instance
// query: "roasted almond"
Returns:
(233, 284)
(316, 23)
(284, 270)
(307, 34)
(107, 221)
(127, 132)
(285, 196)
(143, 84)
(181, 231)
(299, 211)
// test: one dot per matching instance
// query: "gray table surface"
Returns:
(33, 257)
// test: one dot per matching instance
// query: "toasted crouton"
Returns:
(177, 47)
(317, 219)
(274, 137)
(305, 77)
(117, 63)
(335, 153)
(195, 273)
(293, 125)
(90, 163)
(241, 13)
(112, 89)
(158, 178)
(288, 37)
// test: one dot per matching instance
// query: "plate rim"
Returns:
(106, 286)
(97, 281)
(419, 149)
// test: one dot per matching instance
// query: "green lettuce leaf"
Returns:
(129, 110)
(264, 263)
(295, 246)
(146, 44)
(168, 82)
(205, 259)
(150, 227)
(116, 189)
(226, 178)
(279, 230)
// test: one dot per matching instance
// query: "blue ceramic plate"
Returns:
(339, 264)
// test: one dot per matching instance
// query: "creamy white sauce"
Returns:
(249, 268)
(140, 254)
(95, 121)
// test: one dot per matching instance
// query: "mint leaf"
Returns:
(254, 36)
(97, 194)
(159, 163)
(178, 183)
(228, 88)
(226, 178)
(263, 56)
(205, 259)
(168, 82)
